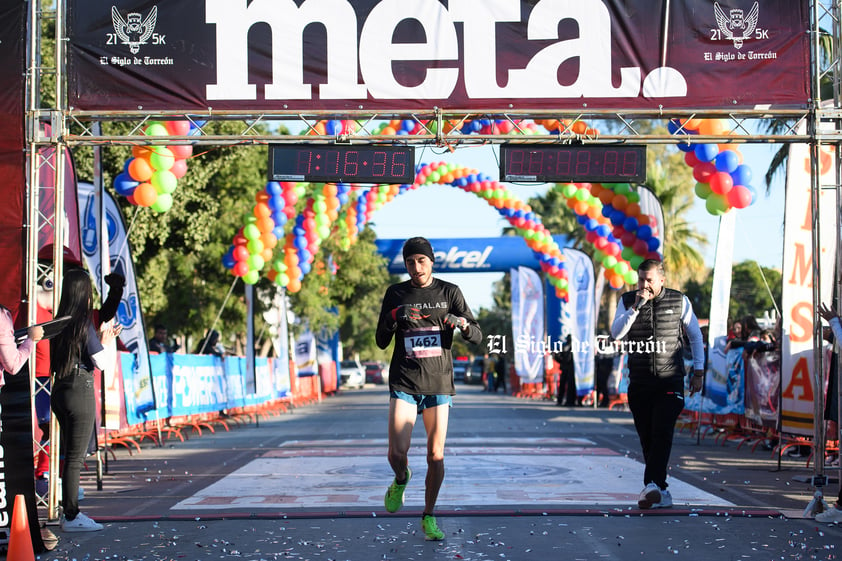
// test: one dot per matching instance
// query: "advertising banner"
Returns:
(129, 314)
(409, 55)
(581, 317)
(798, 377)
(763, 389)
(469, 255)
(528, 324)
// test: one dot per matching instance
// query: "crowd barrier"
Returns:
(199, 393)
(740, 403)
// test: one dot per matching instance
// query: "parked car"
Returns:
(351, 374)
(376, 372)
(474, 374)
(460, 367)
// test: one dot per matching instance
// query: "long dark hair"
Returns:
(77, 302)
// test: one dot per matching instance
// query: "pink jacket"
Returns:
(12, 357)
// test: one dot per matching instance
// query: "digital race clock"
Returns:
(367, 163)
(582, 163)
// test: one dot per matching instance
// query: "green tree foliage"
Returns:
(749, 293)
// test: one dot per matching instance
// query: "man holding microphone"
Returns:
(651, 322)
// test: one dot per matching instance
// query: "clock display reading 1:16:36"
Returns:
(340, 163)
(573, 163)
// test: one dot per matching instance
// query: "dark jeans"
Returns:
(73, 404)
(655, 410)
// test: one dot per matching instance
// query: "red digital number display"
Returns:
(353, 164)
(575, 164)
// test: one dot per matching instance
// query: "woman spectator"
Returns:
(12, 356)
(74, 354)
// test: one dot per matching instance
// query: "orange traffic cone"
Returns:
(20, 541)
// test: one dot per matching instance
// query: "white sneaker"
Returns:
(650, 495)
(665, 502)
(80, 524)
(831, 515)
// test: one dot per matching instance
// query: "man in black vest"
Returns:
(649, 325)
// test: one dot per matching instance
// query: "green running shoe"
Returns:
(431, 529)
(394, 494)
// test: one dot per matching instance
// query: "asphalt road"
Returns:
(525, 480)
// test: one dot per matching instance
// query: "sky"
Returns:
(436, 211)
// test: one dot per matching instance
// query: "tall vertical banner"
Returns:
(306, 355)
(16, 471)
(528, 324)
(582, 317)
(139, 390)
(797, 369)
(717, 381)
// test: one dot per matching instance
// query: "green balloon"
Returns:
(630, 277)
(255, 262)
(282, 279)
(609, 261)
(164, 181)
(716, 204)
(627, 253)
(255, 246)
(702, 190)
(635, 263)
(568, 190)
(323, 231)
(251, 232)
(156, 129)
(163, 203)
(251, 277)
(161, 158)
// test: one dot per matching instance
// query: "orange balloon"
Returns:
(140, 169)
(262, 197)
(580, 208)
(265, 224)
(620, 202)
(141, 151)
(712, 126)
(596, 189)
(294, 284)
(633, 209)
(594, 212)
(329, 190)
(606, 196)
(269, 240)
(262, 210)
(145, 194)
(580, 127)
(691, 124)
(643, 219)
(266, 254)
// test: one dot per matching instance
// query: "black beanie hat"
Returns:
(418, 245)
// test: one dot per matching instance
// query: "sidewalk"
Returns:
(525, 480)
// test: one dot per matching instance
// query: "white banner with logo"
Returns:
(138, 388)
(797, 361)
(528, 324)
(306, 355)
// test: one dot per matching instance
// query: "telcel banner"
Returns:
(469, 255)
(410, 55)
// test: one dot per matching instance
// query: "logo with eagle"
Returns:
(735, 25)
(134, 31)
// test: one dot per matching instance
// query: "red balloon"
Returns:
(640, 247)
(612, 249)
(653, 255)
(179, 168)
(721, 182)
(181, 151)
(240, 269)
(592, 237)
(691, 159)
(240, 253)
(739, 196)
(628, 239)
(703, 171)
(601, 243)
(178, 128)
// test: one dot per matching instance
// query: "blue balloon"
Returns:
(333, 127)
(742, 175)
(685, 146)
(603, 231)
(630, 224)
(673, 126)
(276, 203)
(591, 225)
(304, 266)
(607, 211)
(753, 193)
(727, 161)
(644, 232)
(653, 243)
(274, 188)
(706, 152)
(228, 260)
(278, 231)
(617, 218)
(124, 184)
(582, 219)
(300, 243)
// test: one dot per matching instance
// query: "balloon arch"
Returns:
(621, 235)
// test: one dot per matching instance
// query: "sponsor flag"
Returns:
(306, 354)
(528, 324)
(138, 388)
(798, 376)
(581, 319)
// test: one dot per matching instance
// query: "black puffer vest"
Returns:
(654, 342)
